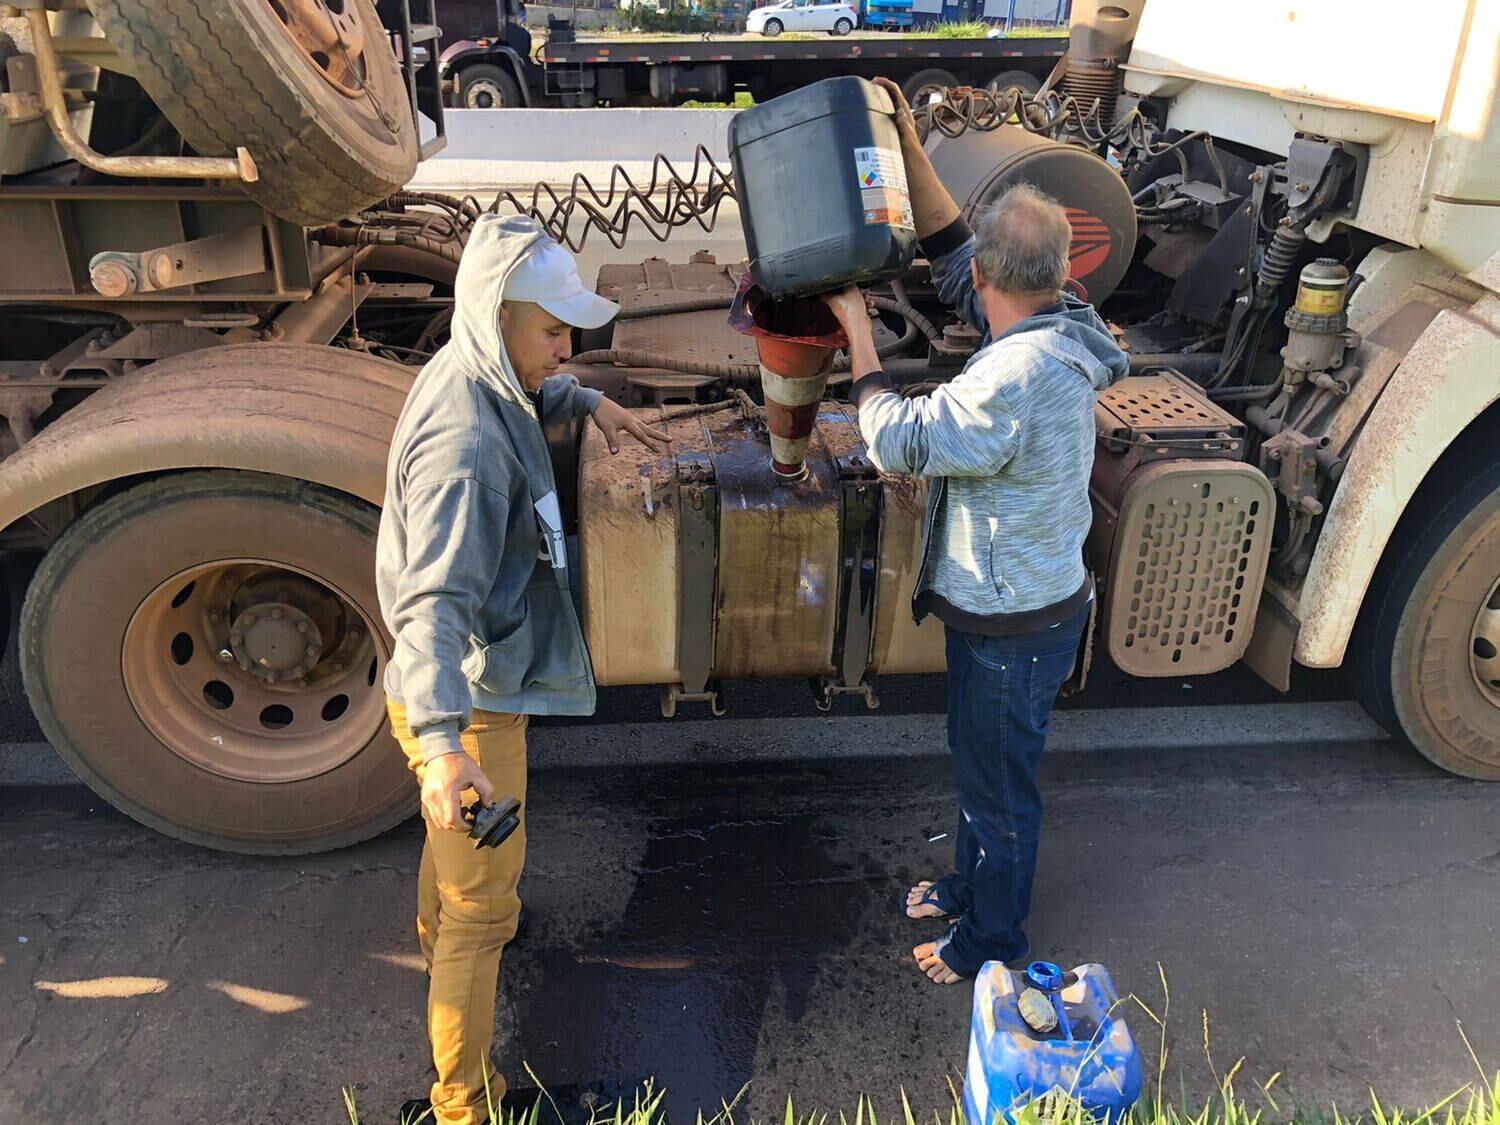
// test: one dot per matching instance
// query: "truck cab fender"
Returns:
(1446, 381)
(318, 414)
(461, 54)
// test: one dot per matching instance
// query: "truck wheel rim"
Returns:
(331, 34)
(477, 93)
(1484, 647)
(255, 671)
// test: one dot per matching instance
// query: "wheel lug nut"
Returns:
(236, 638)
(249, 619)
(276, 615)
(338, 665)
(270, 677)
(312, 650)
(225, 656)
(214, 615)
(302, 626)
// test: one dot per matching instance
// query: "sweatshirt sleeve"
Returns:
(950, 252)
(564, 397)
(966, 428)
(442, 586)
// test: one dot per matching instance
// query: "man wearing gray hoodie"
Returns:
(472, 573)
(1008, 446)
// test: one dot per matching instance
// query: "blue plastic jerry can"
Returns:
(1085, 1049)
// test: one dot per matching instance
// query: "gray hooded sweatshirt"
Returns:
(471, 566)
(1008, 443)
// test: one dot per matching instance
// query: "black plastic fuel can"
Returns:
(822, 188)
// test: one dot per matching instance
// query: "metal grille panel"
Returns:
(1168, 410)
(1189, 560)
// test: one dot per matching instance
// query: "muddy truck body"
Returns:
(488, 62)
(218, 293)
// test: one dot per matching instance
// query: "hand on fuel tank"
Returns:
(611, 418)
(443, 781)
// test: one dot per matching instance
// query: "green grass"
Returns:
(742, 100)
(1470, 1105)
(978, 29)
(1475, 1103)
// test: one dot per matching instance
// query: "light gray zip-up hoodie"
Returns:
(471, 565)
(1010, 441)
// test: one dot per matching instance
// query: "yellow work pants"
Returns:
(467, 909)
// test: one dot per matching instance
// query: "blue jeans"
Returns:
(1000, 696)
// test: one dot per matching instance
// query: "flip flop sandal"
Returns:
(935, 895)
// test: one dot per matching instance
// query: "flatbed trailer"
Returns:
(488, 62)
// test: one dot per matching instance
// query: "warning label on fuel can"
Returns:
(882, 187)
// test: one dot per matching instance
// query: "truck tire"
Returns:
(1425, 656)
(331, 132)
(486, 86)
(161, 648)
(927, 86)
(1028, 84)
(843, 27)
(772, 28)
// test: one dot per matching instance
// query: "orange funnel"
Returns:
(795, 340)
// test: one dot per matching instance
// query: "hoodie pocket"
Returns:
(502, 667)
(997, 572)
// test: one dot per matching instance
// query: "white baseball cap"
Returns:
(548, 276)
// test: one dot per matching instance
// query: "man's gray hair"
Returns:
(1022, 243)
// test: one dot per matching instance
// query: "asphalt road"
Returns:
(1332, 908)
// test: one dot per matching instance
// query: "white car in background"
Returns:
(803, 15)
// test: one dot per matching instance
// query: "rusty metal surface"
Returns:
(238, 167)
(898, 645)
(1160, 404)
(59, 235)
(319, 414)
(702, 275)
(1189, 555)
(778, 558)
(628, 526)
(232, 253)
(701, 337)
(778, 555)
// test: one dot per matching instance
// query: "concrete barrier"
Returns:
(493, 149)
(489, 149)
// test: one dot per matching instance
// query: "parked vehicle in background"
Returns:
(836, 18)
(488, 61)
(889, 15)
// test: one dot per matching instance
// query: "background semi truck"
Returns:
(219, 293)
(489, 62)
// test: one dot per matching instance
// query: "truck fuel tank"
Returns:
(700, 564)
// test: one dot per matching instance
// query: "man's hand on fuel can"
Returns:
(443, 780)
(906, 122)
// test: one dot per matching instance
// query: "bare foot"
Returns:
(916, 908)
(931, 964)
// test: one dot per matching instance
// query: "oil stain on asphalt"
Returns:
(732, 903)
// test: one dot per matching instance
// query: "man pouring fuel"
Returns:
(1007, 446)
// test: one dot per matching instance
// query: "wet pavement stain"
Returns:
(729, 908)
